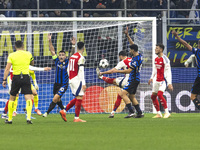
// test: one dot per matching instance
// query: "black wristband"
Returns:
(4, 79)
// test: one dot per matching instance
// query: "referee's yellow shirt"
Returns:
(20, 61)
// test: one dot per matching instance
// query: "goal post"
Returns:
(103, 38)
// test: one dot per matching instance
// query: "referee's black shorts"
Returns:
(196, 86)
(21, 82)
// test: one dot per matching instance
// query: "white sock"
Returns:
(76, 117)
(166, 110)
(159, 113)
(112, 112)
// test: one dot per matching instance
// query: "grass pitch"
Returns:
(180, 132)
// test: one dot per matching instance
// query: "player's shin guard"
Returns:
(71, 104)
(29, 106)
(36, 101)
(51, 107)
(10, 109)
(196, 103)
(77, 108)
(15, 104)
(60, 105)
(117, 103)
(162, 99)
(108, 80)
(155, 102)
(6, 108)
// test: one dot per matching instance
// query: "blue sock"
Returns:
(137, 107)
(130, 108)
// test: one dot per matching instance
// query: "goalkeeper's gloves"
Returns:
(36, 85)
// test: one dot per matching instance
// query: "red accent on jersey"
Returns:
(127, 61)
(160, 66)
(11, 73)
(73, 65)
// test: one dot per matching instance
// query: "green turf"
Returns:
(180, 132)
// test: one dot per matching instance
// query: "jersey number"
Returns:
(71, 64)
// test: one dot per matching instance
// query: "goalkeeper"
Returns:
(33, 88)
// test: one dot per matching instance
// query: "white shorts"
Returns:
(76, 87)
(159, 86)
(121, 81)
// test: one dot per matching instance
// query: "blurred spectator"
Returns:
(173, 5)
(114, 4)
(159, 4)
(130, 4)
(70, 4)
(184, 4)
(21, 4)
(101, 4)
(145, 4)
(43, 4)
(4, 4)
(56, 4)
(87, 5)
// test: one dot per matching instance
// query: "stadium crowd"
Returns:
(96, 4)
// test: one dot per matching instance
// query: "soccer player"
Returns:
(35, 95)
(77, 80)
(196, 86)
(61, 80)
(120, 81)
(161, 71)
(133, 82)
(20, 61)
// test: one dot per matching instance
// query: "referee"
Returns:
(20, 61)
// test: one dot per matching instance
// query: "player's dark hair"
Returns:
(80, 45)
(122, 53)
(161, 46)
(134, 47)
(19, 44)
(62, 51)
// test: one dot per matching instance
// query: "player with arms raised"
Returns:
(62, 78)
(161, 71)
(196, 86)
(77, 80)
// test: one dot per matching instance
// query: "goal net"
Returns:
(103, 38)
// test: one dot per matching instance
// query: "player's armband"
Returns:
(54, 57)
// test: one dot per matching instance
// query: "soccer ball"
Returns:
(103, 63)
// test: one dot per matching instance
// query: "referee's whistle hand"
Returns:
(4, 84)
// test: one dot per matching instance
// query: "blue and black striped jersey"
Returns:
(61, 71)
(196, 51)
(136, 65)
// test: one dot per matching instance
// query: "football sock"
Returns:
(6, 108)
(29, 106)
(60, 105)
(36, 101)
(77, 107)
(159, 112)
(196, 103)
(108, 80)
(130, 108)
(71, 104)
(137, 107)
(166, 110)
(10, 110)
(155, 102)
(51, 107)
(162, 99)
(15, 104)
(117, 103)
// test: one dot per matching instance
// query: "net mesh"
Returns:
(103, 39)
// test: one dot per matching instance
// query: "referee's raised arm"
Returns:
(20, 61)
